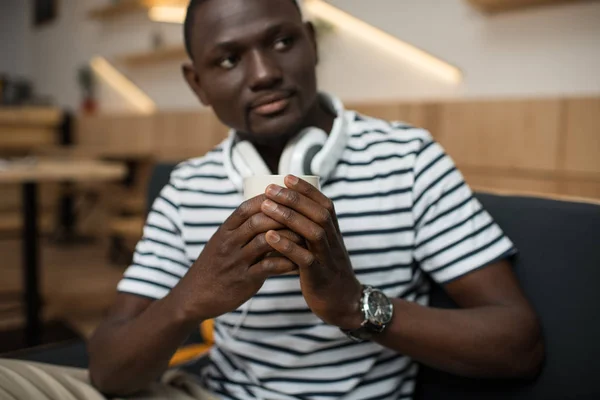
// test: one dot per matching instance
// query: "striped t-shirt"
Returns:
(405, 213)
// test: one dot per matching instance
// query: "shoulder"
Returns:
(364, 129)
(197, 177)
(373, 139)
(210, 165)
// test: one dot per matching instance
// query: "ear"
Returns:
(312, 35)
(193, 81)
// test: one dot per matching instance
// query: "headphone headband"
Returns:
(324, 161)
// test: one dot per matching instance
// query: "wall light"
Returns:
(172, 14)
(387, 42)
(354, 26)
(124, 86)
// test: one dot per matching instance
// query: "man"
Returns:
(315, 294)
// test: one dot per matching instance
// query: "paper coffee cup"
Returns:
(257, 184)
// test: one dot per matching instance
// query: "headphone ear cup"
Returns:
(299, 152)
(247, 161)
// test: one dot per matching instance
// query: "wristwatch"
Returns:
(377, 310)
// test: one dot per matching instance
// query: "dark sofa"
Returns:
(558, 263)
(558, 267)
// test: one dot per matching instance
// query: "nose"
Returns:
(263, 71)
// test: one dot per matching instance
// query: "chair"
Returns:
(558, 268)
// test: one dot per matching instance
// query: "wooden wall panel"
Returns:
(133, 132)
(23, 139)
(502, 134)
(90, 131)
(510, 184)
(167, 136)
(422, 115)
(30, 116)
(583, 189)
(182, 135)
(116, 133)
(387, 111)
(582, 144)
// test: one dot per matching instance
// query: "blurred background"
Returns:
(92, 99)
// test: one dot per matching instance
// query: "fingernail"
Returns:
(274, 237)
(269, 205)
(273, 190)
(292, 179)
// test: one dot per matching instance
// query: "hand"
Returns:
(233, 265)
(327, 279)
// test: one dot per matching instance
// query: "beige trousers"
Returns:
(21, 380)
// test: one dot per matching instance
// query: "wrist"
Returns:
(354, 316)
(377, 310)
(181, 309)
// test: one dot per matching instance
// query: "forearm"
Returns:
(126, 356)
(496, 341)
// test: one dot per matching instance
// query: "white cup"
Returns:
(257, 184)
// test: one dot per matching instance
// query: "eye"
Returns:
(283, 43)
(228, 62)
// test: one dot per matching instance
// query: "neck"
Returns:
(318, 116)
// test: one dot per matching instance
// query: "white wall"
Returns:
(552, 50)
(14, 38)
(64, 46)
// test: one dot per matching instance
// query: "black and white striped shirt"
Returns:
(404, 211)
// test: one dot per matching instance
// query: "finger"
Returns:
(272, 266)
(293, 236)
(256, 249)
(313, 233)
(299, 255)
(245, 210)
(256, 224)
(305, 188)
(302, 204)
(308, 190)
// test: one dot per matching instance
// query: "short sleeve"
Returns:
(454, 234)
(159, 260)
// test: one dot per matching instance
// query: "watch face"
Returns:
(380, 308)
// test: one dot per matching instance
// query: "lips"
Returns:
(271, 104)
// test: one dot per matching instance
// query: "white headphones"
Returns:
(310, 152)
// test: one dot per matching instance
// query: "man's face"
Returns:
(254, 63)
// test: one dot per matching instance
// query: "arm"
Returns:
(121, 362)
(134, 345)
(495, 333)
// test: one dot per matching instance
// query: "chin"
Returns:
(276, 129)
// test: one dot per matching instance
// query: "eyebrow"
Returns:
(272, 30)
(276, 28)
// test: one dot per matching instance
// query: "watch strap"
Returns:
(365, 332)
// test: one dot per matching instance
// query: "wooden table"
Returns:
(29, 174)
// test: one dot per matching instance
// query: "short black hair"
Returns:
(188, 24)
